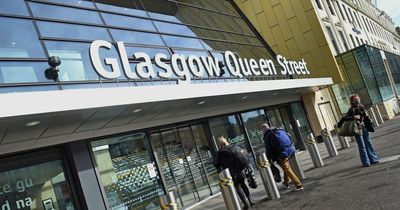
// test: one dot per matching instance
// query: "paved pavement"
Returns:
(343, 183)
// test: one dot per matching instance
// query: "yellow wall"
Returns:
(292, 29)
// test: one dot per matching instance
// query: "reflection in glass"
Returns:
(72, 31)
(19, 39)
(22, 72)
(301, 119)
(135, 37)
(81, 3)
(41, 186)
(253, 121)
(75, 61)
(176, 41)
(228, 126)
(16, 7)
(127, 172)
(128, 22)
(132, 7)
(64, 13)
(171, 28)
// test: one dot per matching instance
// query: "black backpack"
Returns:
(240, 157)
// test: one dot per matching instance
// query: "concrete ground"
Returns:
(343, 183)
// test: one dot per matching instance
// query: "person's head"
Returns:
(264, 127)
(355, 100)
(222, 141)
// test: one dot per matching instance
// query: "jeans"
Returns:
(288, 172)
(366, 150)
(242, 190)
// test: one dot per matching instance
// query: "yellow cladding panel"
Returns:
(289, 13)
(257, 6)
(292, 28)
(265, 30)
(316, 27)
(298, 35)
(267, 7)
(283, 24)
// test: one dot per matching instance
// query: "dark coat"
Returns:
(364, 119)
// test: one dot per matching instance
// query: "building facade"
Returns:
(320, 30)
(134, 106)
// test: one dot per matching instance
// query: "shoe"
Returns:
(246, 206)
(299, 188)
(251, 202)
(375, 162)
(285, 185)
(366, 165)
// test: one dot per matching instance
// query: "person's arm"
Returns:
(349, 114)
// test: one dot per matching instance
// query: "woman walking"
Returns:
(357, 112)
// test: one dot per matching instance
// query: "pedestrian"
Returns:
(279, 148)
(357, 112)
(227, 157)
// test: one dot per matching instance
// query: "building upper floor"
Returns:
(351, 23)
(164, 33)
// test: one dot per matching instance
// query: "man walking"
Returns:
(279, 148)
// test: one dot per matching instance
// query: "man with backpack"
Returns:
(279, 148)
(236, 160)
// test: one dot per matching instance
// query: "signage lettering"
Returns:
(187, 67)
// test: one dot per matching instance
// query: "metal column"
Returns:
(314, 152)
(296, 166)
(168, 202)
(344, 142)
(228, 190)
(267, 177)
(378, 114)
(330, 145)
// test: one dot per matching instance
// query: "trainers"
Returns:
(285, 185)
(299, 188)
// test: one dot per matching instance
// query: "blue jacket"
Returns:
(278, 144)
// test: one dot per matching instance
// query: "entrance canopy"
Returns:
(36, 119)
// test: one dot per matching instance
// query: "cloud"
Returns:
(392, 8)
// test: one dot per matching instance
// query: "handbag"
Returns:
(251, 177)
(350, 128)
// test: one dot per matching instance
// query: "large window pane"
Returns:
(132, 7)
(229, 127)
(174, 28)
(16, 7)
(301, 119)
(81, 3)
(75, 61)
(64, 13)
(40, 186)
(127, 172)
(253, 121)
(72, 31)
(22, 72)
(175, 41)
(19, 39)
(128, 22)
(136, 37)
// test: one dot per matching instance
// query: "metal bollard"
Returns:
(296, 166)
(314, 152)
(373, 117)
(378, 114)
(344, 143)
(267, 177)
(168, 201)
(228, 190)
(353, 139)
(330, 145)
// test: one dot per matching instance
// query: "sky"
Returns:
(392, 8)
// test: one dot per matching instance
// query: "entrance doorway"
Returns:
(185, 160)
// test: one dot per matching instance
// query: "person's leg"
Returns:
(240, 192)
(373, 158)
(246, 191)
(362, 150)
(289, 172)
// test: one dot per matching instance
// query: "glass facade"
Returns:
(364, 74)
(128, 172)
(394, 65)
(56, 28)
(30, 183)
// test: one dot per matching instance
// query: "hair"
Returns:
(222, 141)
(352, 97)
(265, 126)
